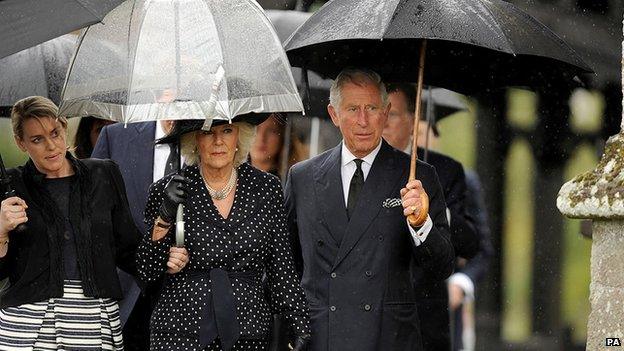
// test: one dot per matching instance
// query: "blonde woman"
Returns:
(62, 266)
(235, 234)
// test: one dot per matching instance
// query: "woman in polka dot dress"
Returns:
(235, 234)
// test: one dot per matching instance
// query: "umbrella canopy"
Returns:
(26, 23)
(445, 101)
(158, 59)
(472, 44)
(39, 70)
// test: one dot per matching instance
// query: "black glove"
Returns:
(301, 343)
(175, 193)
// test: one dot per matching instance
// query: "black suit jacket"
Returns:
(453, 180)
(433, 295)
(132, 148)
(30, 262)
(360, 291)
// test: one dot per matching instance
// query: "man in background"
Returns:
(471, 245)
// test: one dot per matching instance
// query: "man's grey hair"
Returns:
(357, 76)
(246, 136)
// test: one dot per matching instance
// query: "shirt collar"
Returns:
(160, 133)
(347, 156)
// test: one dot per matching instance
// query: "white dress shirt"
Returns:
(347, 170)
(161, 154)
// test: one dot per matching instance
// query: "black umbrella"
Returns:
(470, 44)
(26, 23)
(39, 70)
(317, 91)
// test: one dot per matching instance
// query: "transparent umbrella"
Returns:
(152, 60)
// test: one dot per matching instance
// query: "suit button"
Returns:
(367, 307)
(380, 238)
(368, 273)
(334, 275)
(320, 243)
(332, 308)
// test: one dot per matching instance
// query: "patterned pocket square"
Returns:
(390, 203)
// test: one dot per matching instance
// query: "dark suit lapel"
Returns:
(141, 153)
(330, 196)
(381, 180)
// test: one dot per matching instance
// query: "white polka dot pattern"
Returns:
(254, 237)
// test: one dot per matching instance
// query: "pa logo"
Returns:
(613, 342)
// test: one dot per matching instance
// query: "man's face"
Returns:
(398, 128)
(360, 117)
(426, 137)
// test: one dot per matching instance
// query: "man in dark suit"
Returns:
(347, 212)
(433, 301)
(141, 162)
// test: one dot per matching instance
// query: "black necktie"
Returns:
(354, 188)
(173, 161)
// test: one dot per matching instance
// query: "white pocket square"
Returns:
(391, 202)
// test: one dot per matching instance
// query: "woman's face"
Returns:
(268, 142)
(217, 146)
(44, 140)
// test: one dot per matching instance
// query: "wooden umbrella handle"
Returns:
(416, 220)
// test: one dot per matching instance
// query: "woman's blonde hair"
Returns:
(246, 135)
(33, 107)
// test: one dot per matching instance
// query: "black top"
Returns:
(228, 258)
(59, 189)
(98, 210)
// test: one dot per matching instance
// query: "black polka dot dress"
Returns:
(228, 260)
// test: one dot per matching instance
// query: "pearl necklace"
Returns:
(223, 193)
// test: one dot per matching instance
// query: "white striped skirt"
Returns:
(73, 322)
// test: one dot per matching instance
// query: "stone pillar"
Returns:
(599, 195)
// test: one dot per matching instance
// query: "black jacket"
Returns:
(433, 295)
(106, 236)
(360, 290)
(251, 242)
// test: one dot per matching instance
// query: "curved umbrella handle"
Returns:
(179, 226)
(179, 230)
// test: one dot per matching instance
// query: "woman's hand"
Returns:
(176, 192)
(12, 214)
(178, 258)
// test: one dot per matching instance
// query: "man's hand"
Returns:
(456, 296)
(12, 214)
(178, 258)
(415, 202)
